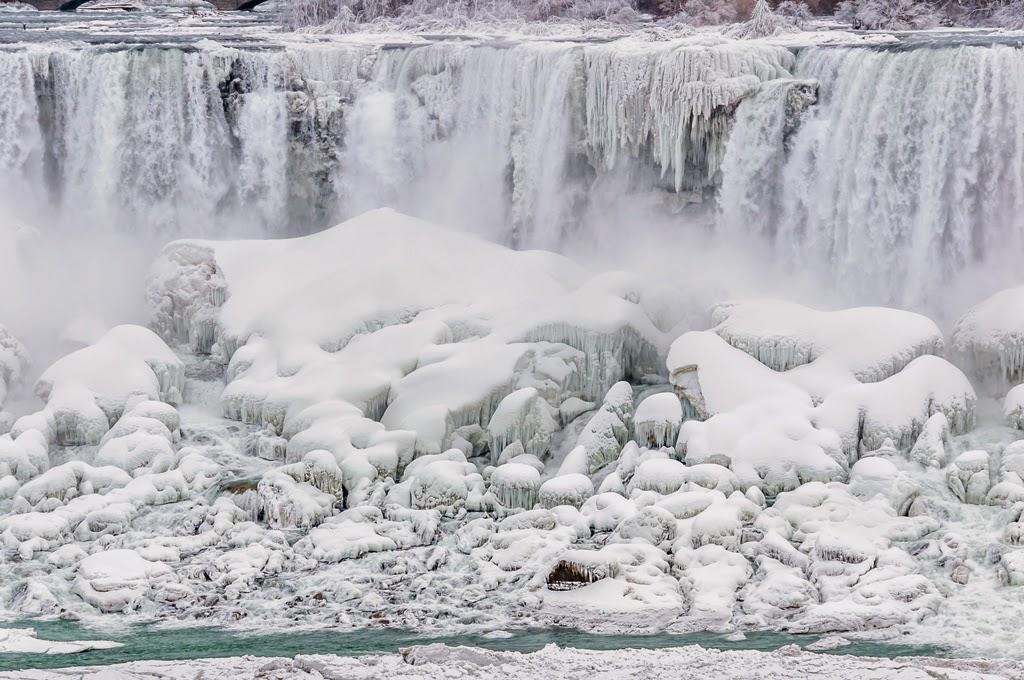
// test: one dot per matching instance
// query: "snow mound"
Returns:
(989, 338)
(873, 343)
(907, 387)
(90, 388)
(116, 580)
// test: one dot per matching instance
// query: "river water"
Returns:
(168, 643)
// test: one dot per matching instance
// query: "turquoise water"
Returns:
(145, 642)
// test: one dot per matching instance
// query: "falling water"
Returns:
(907, 181)
(891, 174)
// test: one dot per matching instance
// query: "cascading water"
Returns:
(908, 171)
(907, 181)
(506, 139)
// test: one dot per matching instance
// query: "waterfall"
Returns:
(895, 175)
(905, 184)
(506, 140)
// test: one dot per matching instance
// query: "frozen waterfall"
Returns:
(887, 172)
(906, 180)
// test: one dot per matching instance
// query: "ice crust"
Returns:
(25, 641)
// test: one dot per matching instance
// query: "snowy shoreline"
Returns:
(434, 661)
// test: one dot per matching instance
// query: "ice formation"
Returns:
(770, 473)
(990, 339)
(25, 641)
(869, 392)
(14, 360)
(388, 422)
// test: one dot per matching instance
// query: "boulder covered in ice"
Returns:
(117, 580)
(712, 376)
(515, 486)
(604, 435)
(772, 444)
(565, 489)
(969, 477)
(898, 408)
(364, 530)
(525, 417)
(445, 482)
(657, 420)
(1008, 488)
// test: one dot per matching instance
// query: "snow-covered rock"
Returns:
(657, 420)
(565, 489)
(116, 580)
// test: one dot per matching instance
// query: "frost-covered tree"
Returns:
(619, 11)
(348, 14)
(1009, 14)
(795, 11)
(890, 15)
(701, 12)
(762, 22)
